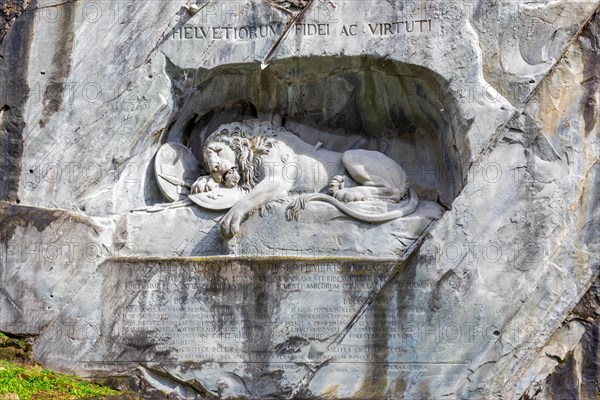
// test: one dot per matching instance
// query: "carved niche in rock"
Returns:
(253, 163)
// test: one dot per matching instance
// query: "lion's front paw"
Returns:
(336, 184)
(204, 184)
(230, 224)
(348, 195)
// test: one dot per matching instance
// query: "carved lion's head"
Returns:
(250, 140)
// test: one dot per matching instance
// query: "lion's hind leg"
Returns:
(377, 175)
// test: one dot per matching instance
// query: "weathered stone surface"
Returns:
(491, 108)
(575, 374)
(237, 328)
(521, 40)
(10, 11)
(47, 256)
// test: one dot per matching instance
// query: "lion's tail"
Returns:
(299, 204)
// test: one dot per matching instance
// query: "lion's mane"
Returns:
(250, 140)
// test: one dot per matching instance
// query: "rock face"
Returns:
(489, 289)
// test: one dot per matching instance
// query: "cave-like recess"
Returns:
(404, 110)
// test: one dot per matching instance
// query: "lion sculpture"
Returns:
(272, 164)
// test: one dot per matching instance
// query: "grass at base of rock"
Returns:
(21, 376)
(35, 382)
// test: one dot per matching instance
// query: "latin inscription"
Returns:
(227, 32)
(216, 312)
(284, 314)
(302, 29)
